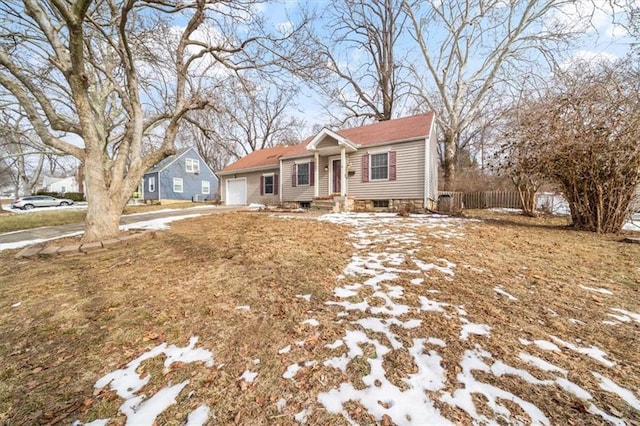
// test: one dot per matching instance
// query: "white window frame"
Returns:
(308, 164)
(192, 165)
(179, 182)
(208, 187)
(371, 178)
(273, 181)
(152, 184)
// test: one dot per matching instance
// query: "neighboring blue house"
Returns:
(183, 176)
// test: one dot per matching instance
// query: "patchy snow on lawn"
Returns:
(370, 287)
(21, 244)
(159, 224)
(597, 290)
(499, 290)
(633, 224)
(129, 385)
(372, 304)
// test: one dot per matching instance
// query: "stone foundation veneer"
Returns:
(349, 203)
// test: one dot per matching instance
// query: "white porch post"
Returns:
(343, 171)
(316, 173)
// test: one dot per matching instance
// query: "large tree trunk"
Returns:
(103, 212)
(449, 166)
(106, 200)
(103, 217)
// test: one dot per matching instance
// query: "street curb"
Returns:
(39, 251)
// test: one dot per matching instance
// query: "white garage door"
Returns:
(236, 192)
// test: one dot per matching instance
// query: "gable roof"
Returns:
(262, 158)
(390, 131)
(163, 164)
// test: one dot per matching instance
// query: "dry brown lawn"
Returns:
(82, 317)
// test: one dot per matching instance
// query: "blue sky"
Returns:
(601, 39)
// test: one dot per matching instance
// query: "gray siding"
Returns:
(253, 187)
(150, 195)
(303, 193)
(191, 182)
(410, 173)
(409, 183)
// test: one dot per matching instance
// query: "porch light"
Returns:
(326, 168)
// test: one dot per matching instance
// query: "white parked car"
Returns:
(31, 201)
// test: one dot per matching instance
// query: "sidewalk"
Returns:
(51, 232)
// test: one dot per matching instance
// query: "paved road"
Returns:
(49, 232)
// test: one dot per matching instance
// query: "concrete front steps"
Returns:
(336, 204)
(323, 205)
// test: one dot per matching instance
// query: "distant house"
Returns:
(182, 176)
(382, 165)
(60, 185)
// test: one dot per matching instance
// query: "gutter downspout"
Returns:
(427, 166)
(281, 178)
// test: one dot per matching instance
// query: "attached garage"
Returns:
(236, 192)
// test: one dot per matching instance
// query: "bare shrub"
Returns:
(583, 135)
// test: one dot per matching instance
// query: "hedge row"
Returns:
(74, 196)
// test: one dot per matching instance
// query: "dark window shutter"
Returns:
(365, 168)
(312, 173)
(261, 185)
(392, 165)
(275, 184)
(294, 178)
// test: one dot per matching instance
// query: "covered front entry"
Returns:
(336, 148)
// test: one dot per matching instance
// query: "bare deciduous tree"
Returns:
(467, 48)
(583, 135)
(121, 73)
(253, 118)
(246, 118)
(22, 153)
(367, 74)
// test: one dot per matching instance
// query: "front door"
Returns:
(337, 175)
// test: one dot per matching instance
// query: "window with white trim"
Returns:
(177, 185)
(379, 166)
(152, 184)
(268, 183)
(302, 174)
(206, 187)
(192, 166)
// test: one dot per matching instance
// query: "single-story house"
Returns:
(182, 176)
(61, 185)
(382, 165)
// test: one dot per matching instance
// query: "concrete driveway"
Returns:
(50, 232)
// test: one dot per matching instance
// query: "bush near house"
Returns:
(74, 196)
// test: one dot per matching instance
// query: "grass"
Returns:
(11, 221)
(83, 317)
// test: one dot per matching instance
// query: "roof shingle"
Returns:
(412, 127)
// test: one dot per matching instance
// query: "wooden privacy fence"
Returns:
(483, 199)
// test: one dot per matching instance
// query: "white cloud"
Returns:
(285, 28)
(588, 57)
